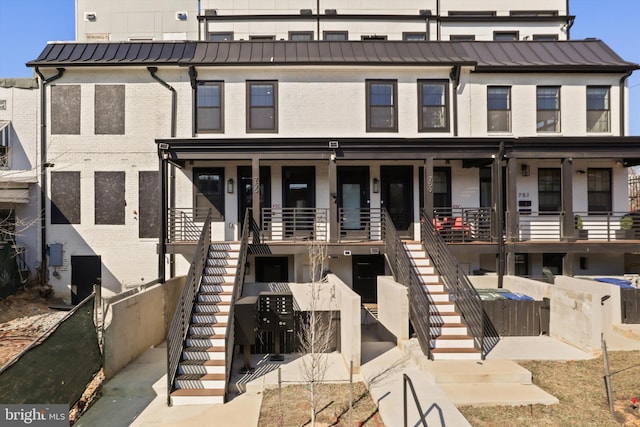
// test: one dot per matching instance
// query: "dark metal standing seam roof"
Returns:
(492, 56)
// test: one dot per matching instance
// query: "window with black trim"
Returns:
(414, 37)
(499, 108)
(598, 108)
(599, 198)
(262, 106)
(373, 37)
(462, 37)
(472, 13)
(220, 37)
(433, 98)
(262, 37)
(209, 107)
(548, 109)
(335, 35)
(301, 35)
(506, 35)
(549, 190)
(382, 111)
(545, 37)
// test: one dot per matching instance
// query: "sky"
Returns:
(27, 25)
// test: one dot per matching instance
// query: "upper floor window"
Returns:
(262, 106)
(65, 110)
(472, 13)
(533, 13)
(506, 35)
(262, 37)
(498, 108)
(382, 111)
(5, 129)
(209, 102)
(549, 190)
(545, 37)
(301, 35)
(374, 37)
(109, 110)
(221, 37)
(598, 109)
(462, 37)
(548, 109)
(599, 190)
(433, 98)
(335, 35)
(414, 37)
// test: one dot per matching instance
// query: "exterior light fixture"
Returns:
(525, 169)
(230, 185)
(376, 185)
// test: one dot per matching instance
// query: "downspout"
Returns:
(438, 20)
(623, 82)
(455, 78)
(318, 19)
(163, 249)
(43, 170)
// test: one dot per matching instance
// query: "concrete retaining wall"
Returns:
(393, 307)
(138, 322)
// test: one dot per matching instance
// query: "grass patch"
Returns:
(580, 388)
(290, 407)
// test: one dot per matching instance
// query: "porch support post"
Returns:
(512, 200)
(568, 263)
(428, 187)
(567, 226)
(162, 240)
(498, 208)
(255, 193)
(333, 200)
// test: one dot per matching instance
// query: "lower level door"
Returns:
(86, 271)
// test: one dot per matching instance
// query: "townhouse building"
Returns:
(272, 126)
(20, 229)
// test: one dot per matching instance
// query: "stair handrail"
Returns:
(462, 292)
(423, 416)
(405, 274)
(238, 284)
(179, 326)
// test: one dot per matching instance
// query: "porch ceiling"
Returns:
(180, 150)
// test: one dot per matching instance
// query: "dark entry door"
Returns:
(86, 271)
(299, 198)
(397, 195)
(353, 198)
(366, 269)
(247, 186)
(209, 188)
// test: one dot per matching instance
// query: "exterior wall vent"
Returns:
(182, 16)
(210, 12)
(330, 12)
(90, 16)
(306, 12)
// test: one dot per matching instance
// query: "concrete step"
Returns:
(425, 270)
(213, 277)
(487, 371)
(455, 354)
(206, 341)
(203, 353)
(452, 342)
(202, 367)
(434, 287)
(421, 262)
(208, 329)
(210, 318)
(439, 297)
(224, 246)
(442, 306)
(185, 396)
(221, 262)
(215, 296)
(220, 270)
(444, 317)
(448, 329)
(497, 394)
(429, 278)
(206, 381)
(207, 287)
(211, 307)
